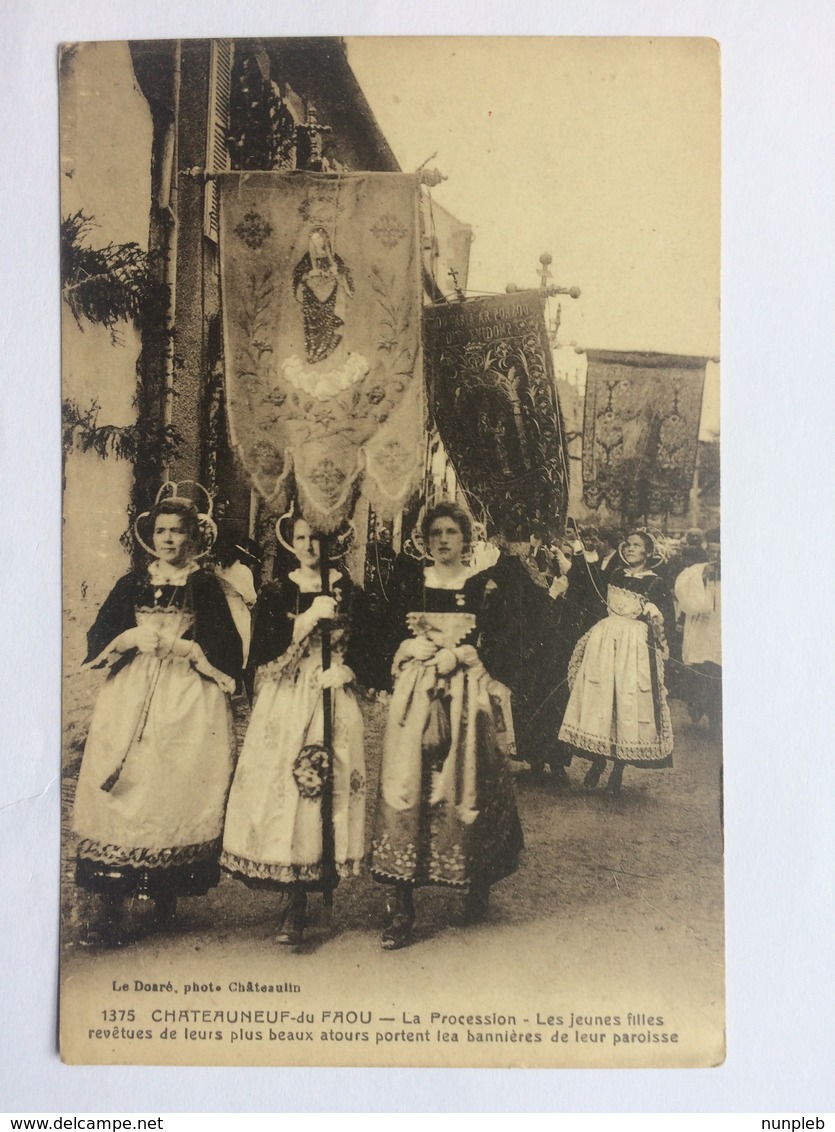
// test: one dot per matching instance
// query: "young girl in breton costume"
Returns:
(446, 812)
(273, 836)
(159, 755)
(618, 704)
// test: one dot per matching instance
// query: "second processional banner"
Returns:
(491, 390)
(321, 287)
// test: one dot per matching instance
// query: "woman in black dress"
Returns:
(446, 812)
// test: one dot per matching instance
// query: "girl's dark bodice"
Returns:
(279, 604)
(211, 624)
(443, 608)
(651, 587)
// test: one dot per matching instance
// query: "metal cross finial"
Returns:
(459, 291)
(549, 289)
(544, 274)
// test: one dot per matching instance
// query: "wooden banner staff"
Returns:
(329, 876)
(428, 177)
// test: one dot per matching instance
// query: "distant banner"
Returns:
(641, 431)
(491, 392)
(446, 246)
(321, 290)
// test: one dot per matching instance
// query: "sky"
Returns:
(603, 152)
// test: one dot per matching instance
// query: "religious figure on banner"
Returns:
(320, 280)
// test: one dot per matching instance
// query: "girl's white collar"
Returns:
(162, 574)
(436, 581)
(310, 585)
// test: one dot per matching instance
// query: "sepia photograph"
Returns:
(392, 650)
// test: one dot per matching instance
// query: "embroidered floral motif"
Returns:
(449, 867)
(388, 230)
(266, 457)
(284, 873)
(625, 603)
(394, 861)
(357, 782)
(173, 857)
(447, 630)
(328, 478)
(309, 770)
(317, 209)
(393, 456)
(447, 863)
(253, 230)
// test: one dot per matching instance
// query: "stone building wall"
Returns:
(105, 172)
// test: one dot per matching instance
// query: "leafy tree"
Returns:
(80, 429)
(105, 285)
(108, 286)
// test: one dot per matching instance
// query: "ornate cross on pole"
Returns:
(549, 290)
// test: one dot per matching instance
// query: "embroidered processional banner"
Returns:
(641, 431)
(492, 396)
(321, 293)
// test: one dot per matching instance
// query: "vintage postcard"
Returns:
(392, 574)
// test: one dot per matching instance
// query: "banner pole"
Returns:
(328, 847)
